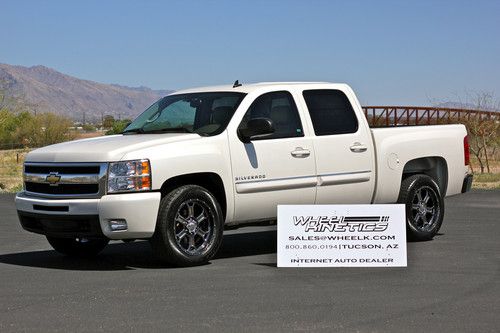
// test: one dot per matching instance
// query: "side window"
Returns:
(331, 112)
(280, 107)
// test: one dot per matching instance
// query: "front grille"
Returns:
(62, 189)
(62, 170)
(65, 180)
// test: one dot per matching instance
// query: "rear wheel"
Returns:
(424, 207)
(189, 227)
(79, 247)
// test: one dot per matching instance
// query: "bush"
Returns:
(118, 126)
(28, 130)
(89, 128)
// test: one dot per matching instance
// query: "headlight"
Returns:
(129, 176)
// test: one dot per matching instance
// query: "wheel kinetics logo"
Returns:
(342, 223)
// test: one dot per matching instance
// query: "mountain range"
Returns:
(47, 90)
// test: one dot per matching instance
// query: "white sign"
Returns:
(341, 236)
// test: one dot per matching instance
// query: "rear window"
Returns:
(331, 112)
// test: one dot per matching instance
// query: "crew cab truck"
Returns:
(201, 160)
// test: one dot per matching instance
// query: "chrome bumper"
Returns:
(140, 210)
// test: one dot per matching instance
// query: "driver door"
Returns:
(276, 169)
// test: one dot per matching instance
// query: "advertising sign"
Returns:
(341, 236)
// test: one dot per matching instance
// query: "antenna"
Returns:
(237, 84)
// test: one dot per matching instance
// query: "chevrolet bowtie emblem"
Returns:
(53, 179)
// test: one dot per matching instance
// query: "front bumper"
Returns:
(90, 217)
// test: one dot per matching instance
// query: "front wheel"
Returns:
(424, 207)
(78, 247)
(189, 227)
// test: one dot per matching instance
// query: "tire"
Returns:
(424, 207)
(189, 227)
(78, 247)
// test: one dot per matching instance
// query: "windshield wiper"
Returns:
(133, 130)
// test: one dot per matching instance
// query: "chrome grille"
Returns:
(65, 180)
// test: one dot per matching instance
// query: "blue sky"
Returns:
(390, 52)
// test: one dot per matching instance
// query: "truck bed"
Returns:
(396, 148)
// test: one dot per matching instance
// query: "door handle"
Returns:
(358, 147)
(300, 152)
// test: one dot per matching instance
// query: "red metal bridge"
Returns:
(382, 116)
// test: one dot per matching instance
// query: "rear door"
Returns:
(343, 146)
(278, 169)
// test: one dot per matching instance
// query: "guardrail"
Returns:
(380, 116)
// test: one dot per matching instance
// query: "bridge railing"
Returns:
(385, 116)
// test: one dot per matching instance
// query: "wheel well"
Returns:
(434, 167)
(209, 180)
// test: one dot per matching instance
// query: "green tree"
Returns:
(108, 122)
(20, 127)
(118, 126)
(44, 129)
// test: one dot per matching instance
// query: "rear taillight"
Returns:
(466, 151)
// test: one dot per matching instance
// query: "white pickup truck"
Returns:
(202, 160)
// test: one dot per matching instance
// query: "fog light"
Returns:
(117, 224)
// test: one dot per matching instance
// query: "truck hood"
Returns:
(104, 148)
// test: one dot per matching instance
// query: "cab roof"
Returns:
(250, 87)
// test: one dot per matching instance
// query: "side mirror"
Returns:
(256, 128)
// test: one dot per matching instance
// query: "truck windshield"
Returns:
(206, 114)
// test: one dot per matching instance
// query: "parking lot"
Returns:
(451, 284)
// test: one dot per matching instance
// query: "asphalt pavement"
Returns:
(451, 284)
